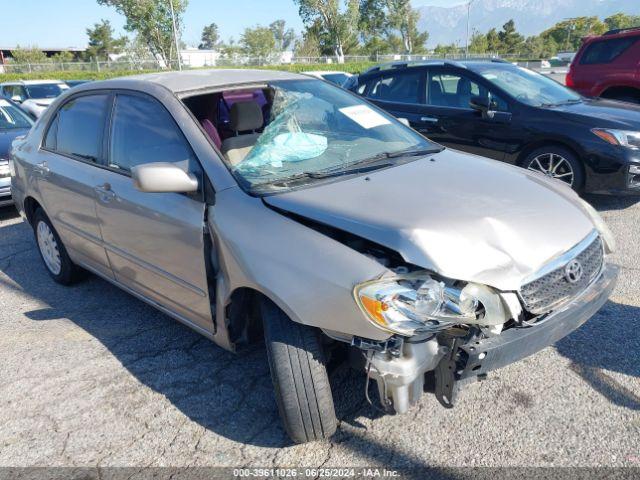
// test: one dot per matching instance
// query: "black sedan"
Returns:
(13, 122)
(513, 114)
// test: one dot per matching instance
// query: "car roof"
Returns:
(31, 82)
(325, 72)
(193, 80)
(434, 62)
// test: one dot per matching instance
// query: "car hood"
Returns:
(462, 216)
(7, 137)
(603, 113)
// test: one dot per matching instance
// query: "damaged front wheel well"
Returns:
(243, 316)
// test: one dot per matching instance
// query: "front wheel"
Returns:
(299, 374)
(558, 163)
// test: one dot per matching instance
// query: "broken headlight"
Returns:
(415, 303)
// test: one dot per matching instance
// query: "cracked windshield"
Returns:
(315, 130)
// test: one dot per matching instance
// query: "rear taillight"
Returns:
(568, 81)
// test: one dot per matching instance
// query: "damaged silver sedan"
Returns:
(247, 203)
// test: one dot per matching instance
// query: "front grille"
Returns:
(551, 289)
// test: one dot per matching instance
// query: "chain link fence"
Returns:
(235, 61)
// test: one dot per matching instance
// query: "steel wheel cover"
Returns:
(48, 248)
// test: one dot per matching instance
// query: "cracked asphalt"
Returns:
(90, 376)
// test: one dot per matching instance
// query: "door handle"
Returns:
(105, 194)
(429, 119)
(42, 168)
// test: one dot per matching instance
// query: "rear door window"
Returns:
(142, 131)
(402, 87)
(78, 127)
(450, 89)
(606, 51)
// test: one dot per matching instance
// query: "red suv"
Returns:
(608, 66)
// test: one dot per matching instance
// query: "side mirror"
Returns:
(16, 98)
(163, 177)
(482, 105)
(404, 121)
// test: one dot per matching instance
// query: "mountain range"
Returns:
(448, 24)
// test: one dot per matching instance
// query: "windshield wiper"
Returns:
(364, 165)
(558, 104)
(326, 174)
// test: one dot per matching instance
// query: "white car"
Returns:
(335, 77)
(33, 95)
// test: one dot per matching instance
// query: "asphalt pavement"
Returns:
(90, 376)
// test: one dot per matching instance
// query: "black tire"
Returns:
(629, 98)
(299, 374)
(570, 157)
(69, 272)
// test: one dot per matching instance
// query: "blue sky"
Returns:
(62, 23)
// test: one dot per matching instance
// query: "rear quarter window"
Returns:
(606, 51)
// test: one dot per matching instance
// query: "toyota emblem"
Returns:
(573, 271)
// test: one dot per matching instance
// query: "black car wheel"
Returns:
(299, 374)
(556, 162)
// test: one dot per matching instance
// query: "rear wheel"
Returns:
(558, 163)
(52, 251)
(299, 374)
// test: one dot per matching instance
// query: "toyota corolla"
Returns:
(241, 202)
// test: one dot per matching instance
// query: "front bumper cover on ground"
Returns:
(514, 344)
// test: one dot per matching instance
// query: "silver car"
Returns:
(242, 201)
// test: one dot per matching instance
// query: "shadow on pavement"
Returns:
(7, 213)
(609, 341)
(229, 394)
(604, 203)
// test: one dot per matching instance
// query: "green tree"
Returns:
(372, 24)
(210, 37)
(335, 21)
(308, 45)
(478, 43)
(64, 56)
(258, 41)
(493, 41)
(152, 21)
(402, 18)
(510, 40)
(448, 49)
(30, 55)
(283, 36)
(568, 34)
(622, 20)
(102, 41)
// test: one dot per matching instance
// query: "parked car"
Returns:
(339, 78)
(509, 113)
(608, 66)
(13, 123)
(331, 226)
(75, 83)
(33, 95)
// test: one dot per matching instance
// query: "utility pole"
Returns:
(466, 50)
(175, 35)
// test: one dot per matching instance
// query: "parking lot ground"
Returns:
(90, 376)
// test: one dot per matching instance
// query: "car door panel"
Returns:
(155, 244)
(66, 188)
(66, 181)
(154, 241)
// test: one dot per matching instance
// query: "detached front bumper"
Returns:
(517, 343)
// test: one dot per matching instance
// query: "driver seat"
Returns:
(245, 118)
